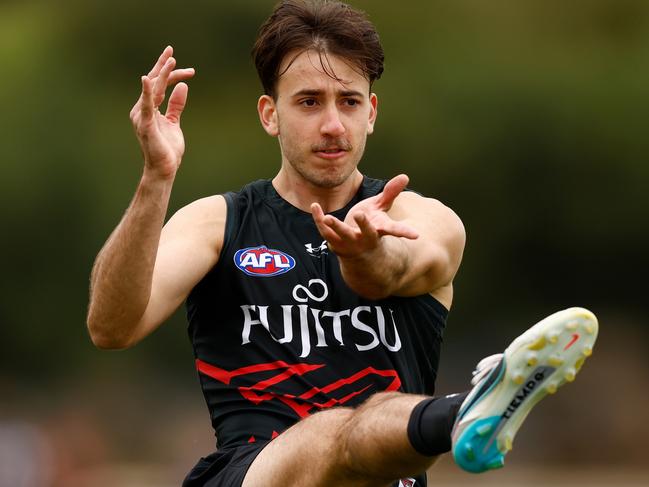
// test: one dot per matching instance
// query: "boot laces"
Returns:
(484, 367)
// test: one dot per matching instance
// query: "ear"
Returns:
(268, 115)
(373, 111)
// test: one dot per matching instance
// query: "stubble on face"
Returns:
(327, 177)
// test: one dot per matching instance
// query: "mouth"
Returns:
(330, 153)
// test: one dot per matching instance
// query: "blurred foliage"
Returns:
(527, 118)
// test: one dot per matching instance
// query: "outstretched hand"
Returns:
(365, 223)
(160, 136)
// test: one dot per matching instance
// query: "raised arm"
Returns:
(143, 273)
(396, 244)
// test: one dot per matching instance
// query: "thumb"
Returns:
(177, 102)
(392, 189)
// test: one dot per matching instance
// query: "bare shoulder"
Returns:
(429, 212)
(209, 208)
(203, 219)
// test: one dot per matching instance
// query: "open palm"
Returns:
(160, 136)
(366, 222)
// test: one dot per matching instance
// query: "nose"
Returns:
(332, 124)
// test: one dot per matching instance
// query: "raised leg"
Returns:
(367, 446)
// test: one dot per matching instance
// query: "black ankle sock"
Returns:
(431, 422)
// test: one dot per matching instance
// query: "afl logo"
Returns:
(263, 262)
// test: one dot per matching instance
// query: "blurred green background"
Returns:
(527, 118)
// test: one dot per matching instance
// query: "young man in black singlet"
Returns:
(316, 301)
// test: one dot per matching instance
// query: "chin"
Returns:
(325, 176)
(329, 183)
(330, 179)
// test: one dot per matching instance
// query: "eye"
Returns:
(309, 102)
(351, 102)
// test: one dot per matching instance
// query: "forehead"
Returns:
(305, 71)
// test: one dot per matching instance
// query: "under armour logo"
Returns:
(317, 251)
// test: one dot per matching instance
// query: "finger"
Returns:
(318, 217)
(365, 226)
(166, 54)
(177, 102)
(146, 99)
(398, 229)
(325, 231)
(161, 82)
(328, 234)
(392, 189)
(341, 229)
(316, 212)
(180, 75)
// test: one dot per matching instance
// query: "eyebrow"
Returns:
(308, 92)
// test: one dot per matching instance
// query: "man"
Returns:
(316, 301)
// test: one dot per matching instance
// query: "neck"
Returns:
(302, 194)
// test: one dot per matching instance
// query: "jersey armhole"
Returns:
(230, 220)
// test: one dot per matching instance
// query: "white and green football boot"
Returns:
(508, 385)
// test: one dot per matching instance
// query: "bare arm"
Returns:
(143, 273)
(395, 244)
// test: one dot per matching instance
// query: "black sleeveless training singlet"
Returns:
(278, 335)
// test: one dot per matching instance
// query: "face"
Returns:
(321, 123)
